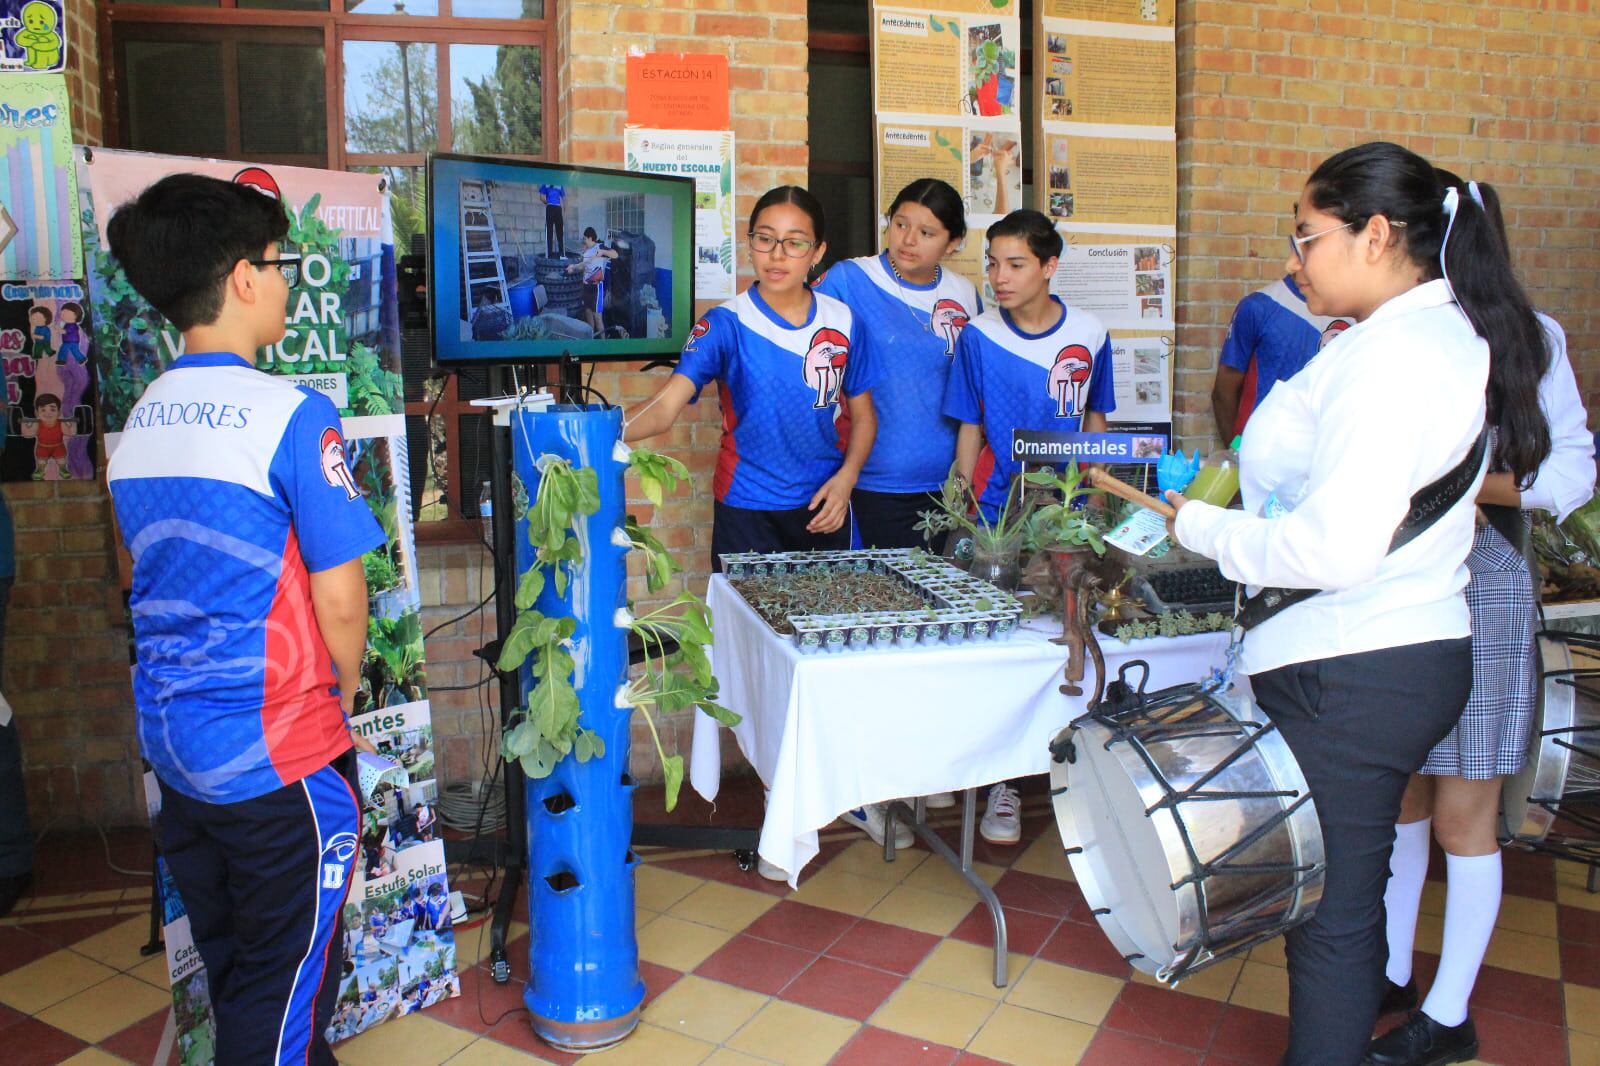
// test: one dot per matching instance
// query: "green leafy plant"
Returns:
(394, 659)
(1062, 522)
(1174, 624)
(958, 509)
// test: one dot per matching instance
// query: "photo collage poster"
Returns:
(342, 340)
(947, 94)
(1106, 173)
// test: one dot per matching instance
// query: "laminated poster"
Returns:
(707, 156)
(342, 340)
(1126, 282)
(1127, 12)
(33, 36)
(1130, 81)
(49, 382)
(38, 186)
(1141, 365)
(1113, 181)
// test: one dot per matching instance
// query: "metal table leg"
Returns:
(962, 863)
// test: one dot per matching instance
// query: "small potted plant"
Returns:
(996, 546)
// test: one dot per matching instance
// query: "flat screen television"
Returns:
(536, 262)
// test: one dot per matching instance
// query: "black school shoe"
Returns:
(1397, 998)
(1421, 1041)
(13, 889)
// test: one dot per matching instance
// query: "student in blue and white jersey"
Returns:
(1273, 335)
(249, 608)
(909, 310)
(555, 225)
(594, 266)
(1030, 363)
(797, 417)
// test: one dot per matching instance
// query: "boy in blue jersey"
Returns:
(555, 223)
(249, 607)
(1273, 333)
(1030, 363)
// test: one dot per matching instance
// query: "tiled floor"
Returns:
(867, 965)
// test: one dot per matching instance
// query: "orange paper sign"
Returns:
(678, 91)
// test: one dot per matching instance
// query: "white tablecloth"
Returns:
(830, 732)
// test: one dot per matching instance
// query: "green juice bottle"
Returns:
(1218, 479)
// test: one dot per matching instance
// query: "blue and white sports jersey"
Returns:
(784, 424)
(231, 488)
(909, 334)
(1273, 326)
(1005, 380)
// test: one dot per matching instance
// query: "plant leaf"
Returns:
(672, 771)
(529, 587)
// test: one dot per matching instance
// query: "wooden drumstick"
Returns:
(1100, 479)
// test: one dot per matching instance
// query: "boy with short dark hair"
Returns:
(1030, 362)
(250, 613)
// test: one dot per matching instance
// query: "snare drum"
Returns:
(1553, 805)
(1188, 824)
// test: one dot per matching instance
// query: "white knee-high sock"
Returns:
(1471, 905)
(1408, 868)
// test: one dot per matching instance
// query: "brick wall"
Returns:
(83, 70)
(1501, 91)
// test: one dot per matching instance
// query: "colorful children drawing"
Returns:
(39, 37)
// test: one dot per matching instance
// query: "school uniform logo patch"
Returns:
(701, 328)
(824, 365)
(335, 471)
(1069, 377)
(1336, 327)
(949, 319)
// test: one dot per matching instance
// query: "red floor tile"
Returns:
(843, 988)
(879, 1047)
(1041, 895)
(18, 947)
(31, 1042)
(70, 930)
(1538, 999)
(969, 1059)
(1578, 924)
(1112, 1048)
(482, 1004)
(1580, 963)
(1251, 1036)
(657, 979)
(886, 947)
(1083, 945)
(1170, 1017)
(758, 965)
(139, 1041)
(800, 925)
(723, 869)
(9, 1016)
(1523, 874)
(1513, 1041)
(1026, 932)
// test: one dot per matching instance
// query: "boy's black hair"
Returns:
(588, 231)
(1043, 240)
(179, 238)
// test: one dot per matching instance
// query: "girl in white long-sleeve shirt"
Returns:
(1363, 679)
(1456, 796)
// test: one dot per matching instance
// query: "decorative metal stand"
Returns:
(584, 989)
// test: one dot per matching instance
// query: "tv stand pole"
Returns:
(505, 611)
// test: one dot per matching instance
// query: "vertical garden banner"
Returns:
(1106, 172)
(342, 339)
(947, 95)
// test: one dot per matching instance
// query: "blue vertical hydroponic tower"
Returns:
(584, 988)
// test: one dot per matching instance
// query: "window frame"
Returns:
(337, 27)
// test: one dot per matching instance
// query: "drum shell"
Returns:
(1565, 718)
(1151, 895)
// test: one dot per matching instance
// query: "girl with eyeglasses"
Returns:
(1363, 678)
(1455, 798)
(909, 310)
(797, 415)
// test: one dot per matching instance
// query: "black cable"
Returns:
(587, 391)
(464, 614)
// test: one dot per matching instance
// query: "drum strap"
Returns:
(1428, 505)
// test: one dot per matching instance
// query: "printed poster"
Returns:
(707, 156)
(1142, 370)
(1125, 12)
(678, 91)
(1130, 81)
(1125, 282)
(33, 36)
(49, 382)
(1112, 181)
(947, 94)
(38, 187)
(343, 340)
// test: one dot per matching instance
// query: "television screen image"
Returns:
(536, 261)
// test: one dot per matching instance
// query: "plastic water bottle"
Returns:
(486, 513)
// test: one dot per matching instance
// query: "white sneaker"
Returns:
(870, 820)
(1001, 823)
(770, 872)
(940, 799)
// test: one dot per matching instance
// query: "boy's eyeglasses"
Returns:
(793, 247)
(288, 266)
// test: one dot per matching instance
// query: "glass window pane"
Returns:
(287, 5)
(408, 204)
(497, 9)
(179, 116)
(392, 7)
(391, 97)
(175, 3)
(287, 108)
(496, 99)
